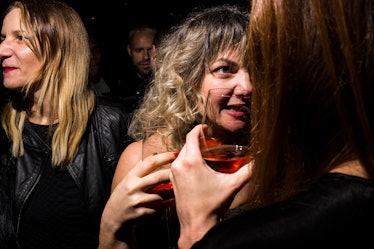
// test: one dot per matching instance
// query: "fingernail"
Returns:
(176, 153)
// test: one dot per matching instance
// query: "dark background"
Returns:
(123, 14)
(112, 19)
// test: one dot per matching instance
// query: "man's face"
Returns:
(141, 50)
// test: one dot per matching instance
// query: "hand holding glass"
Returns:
(225, 146)
(155, 142)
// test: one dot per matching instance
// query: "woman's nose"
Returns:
(243, 80)
(5, 50)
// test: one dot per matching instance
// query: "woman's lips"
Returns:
(235, 112)
(8, 69)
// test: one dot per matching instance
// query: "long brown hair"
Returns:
(312, 70)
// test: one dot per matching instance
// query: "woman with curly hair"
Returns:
(205, 51)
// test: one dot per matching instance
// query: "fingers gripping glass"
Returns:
(155, 142)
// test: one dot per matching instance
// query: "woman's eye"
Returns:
(21, 38)
(222, 69)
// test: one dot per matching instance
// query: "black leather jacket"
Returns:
(92, 168)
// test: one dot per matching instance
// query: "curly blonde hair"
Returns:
(183, 58)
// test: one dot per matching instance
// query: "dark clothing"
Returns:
(4, 94)
(55, 211)
(131, 89)
(6, 182)
(158, 231)
(338, 210)
(75, 196)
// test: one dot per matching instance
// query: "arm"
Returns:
(202, 195)
(129, 199)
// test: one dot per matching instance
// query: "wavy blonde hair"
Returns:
(183, 58)
(57, 36)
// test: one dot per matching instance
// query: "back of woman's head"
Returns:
(183, 59)
(311, 67)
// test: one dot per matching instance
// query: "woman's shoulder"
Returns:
(333, 196)
(337, 209)
(111, 122)
(132, 154)
(133, 150)
(113, 103)
(111, 114)
(343, 189)
(129, 158)
(104, 104)
(343, 182)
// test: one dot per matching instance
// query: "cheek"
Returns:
(206, 84)
(27, 66)
(201, 108)
(30, 65)
(14, 79)
(137, 56)
(28, 60)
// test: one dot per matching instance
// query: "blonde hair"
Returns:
(183, 59)
(57, 36)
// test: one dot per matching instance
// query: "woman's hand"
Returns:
(202, 195)
(130, 199)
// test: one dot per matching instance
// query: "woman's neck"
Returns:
(354, 168)
(41, 116)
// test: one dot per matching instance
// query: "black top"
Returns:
(61, 209)
(338, 210)
(131, 89)
(55, 210)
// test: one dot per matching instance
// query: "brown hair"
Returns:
(311, 65)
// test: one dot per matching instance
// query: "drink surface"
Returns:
(165, 190)
(226, 158)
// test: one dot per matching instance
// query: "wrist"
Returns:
(108, 231)
(193, 232)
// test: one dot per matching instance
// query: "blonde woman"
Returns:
(62, 145)
(206, 50)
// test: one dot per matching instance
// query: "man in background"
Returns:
(140, 48)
